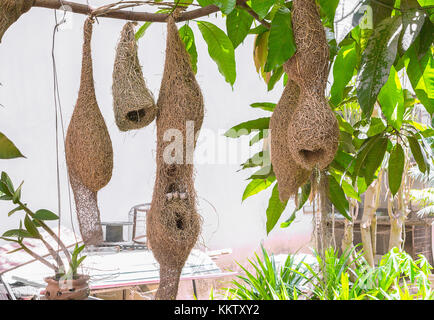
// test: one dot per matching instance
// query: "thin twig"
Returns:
(243, 4)
(125, 15)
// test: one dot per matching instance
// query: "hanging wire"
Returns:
(59, 112)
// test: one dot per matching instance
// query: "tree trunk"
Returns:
(348, 238)
(372, 196)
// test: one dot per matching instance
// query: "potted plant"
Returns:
(65, 284)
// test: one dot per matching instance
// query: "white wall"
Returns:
(28, 119)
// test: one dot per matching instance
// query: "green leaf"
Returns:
(348, 15)
(395, 168)
(187, 36)
(281, 42)
(15, 233)
(257, 185)
(17, 194)
(391, 99)
(337, 197)
(377, 59)
(30, 227)
(258, 137)
(275, 77)
(246, 127)
(4, 189)
(14, 210)
(262, 173)
(412, 21)
(204, 3)
(328, 9)
(44, 214)
(220, 49)
(141, 32)
(343, 70)
(7, 148)
(238, 24)
(275, 209)
(267, 106)
(362, 155)
(225, 5)
(376, 126)
(417, 153)
(261, 7)
(303, 196)
(374, 158)
(421, 75)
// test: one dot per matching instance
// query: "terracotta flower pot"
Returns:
(76, 289)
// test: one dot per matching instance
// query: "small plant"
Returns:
(33, 222)
(269, 282)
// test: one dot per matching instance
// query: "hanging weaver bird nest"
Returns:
(10, 11)
(313, 132)
(289, 174)
(133, 103)
(88, 148)
(173, 224)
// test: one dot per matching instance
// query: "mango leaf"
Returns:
(303, 196)
(343, 69)
(220, 49)
(337, 197)
(238, 24)
(395, 168)
(374, 158)
(275, 209)
(261, 7)
(391, 99)
(187, 36)
(362, 155)
(281, 42)
(245, 127)
(258, 137)
(267, 106)
(328, 9)
(204, 3)
(262, 173)
(348, 15)
(257, 185)
(260, 53)
(227, 6)
(377, 59)
(7, 148)
(44, 214)
(412, 21)
(417, 153)
(376, 126)
(421, 75)
(257, 160)
(275, 77)
(141, 31)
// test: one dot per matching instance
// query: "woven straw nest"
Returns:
(309, 65)
(289, 174)
(10, 11)
(133, 103)
(173, 222)
(304, 130)
(88, 148)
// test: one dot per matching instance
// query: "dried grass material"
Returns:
(88, 149)
(290, 176)
(87, 212)
(10, 11)
(313, 133)
(309, 66)
(133, 103)
(173, 224)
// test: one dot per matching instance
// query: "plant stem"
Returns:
(39, 258)
(49, 231)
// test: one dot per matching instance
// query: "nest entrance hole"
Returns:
(179, 221)
(136, 115)
(312, 156)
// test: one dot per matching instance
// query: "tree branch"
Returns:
(243, 4)
(126, 15)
